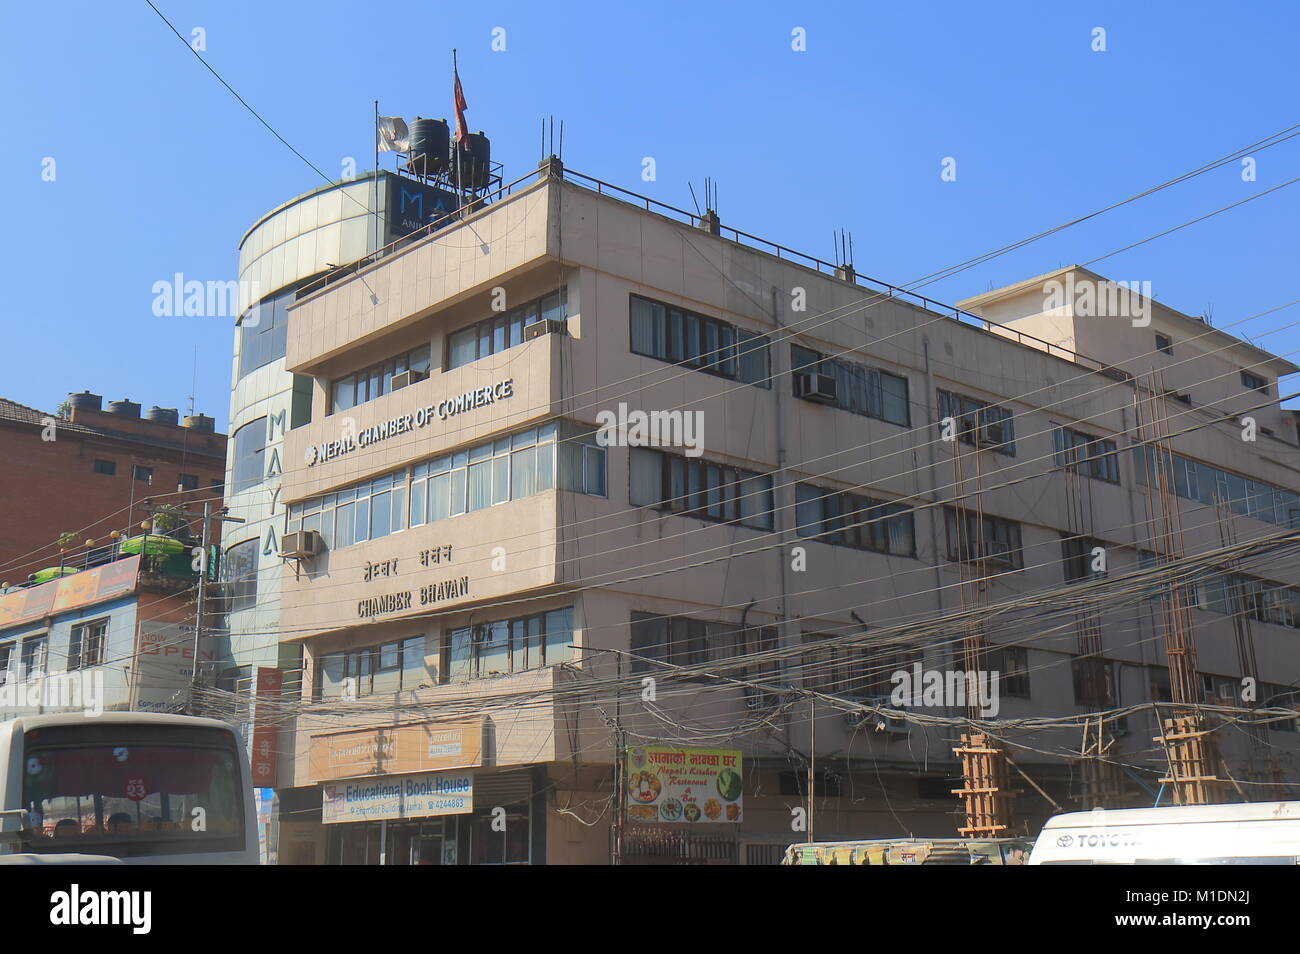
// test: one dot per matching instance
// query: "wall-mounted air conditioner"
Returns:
(812, 386)
(407, 377)
(547, 326)
(302, 545)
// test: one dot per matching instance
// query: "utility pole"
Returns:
(203, 567)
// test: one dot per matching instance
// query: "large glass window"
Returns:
(511, 645)
(241, 576)
(868, 391)
(979, 423)
(700, 488)
(851, 520)
(397, 666)
(503, 330)
(376, 380)
(250, 449)
(1087, 455)
(669, 333)
(1192, 480)
(263, 333)
(506, 468)
(991, 540)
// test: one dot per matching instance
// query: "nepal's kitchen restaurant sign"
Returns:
(421, 417)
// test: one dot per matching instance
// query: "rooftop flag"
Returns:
(392, 134)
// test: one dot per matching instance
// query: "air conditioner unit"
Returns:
(873, 722)
(407, 377)
(302, 545)
(815, 387)
(546, 326)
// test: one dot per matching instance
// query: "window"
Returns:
(7, 660)
(140, 472)
(863, 390)
(506, 646)
(105, 467)
(979, 423)
(263, 333)
(825, 784)
(1255, 382)
(376, 380)
(851, 520)
(1281, 697)
(669, 333)
(1012, 665)
(87, 646)
(1091, 456)
(241, 576)
(698, 488)
(35, 656)
(1078, 558)
(1093, 678)
(1193, 480)
(188, 482)
(1160, 691)
(1164, 344)
(992, 540)
(835, 670)
(250, 445)
(503, 330)
(387, 668)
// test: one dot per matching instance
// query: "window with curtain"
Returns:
(699, 488)
(504, 329)
(852, 520)
(499, 647)
(871, 392)
(669, 333)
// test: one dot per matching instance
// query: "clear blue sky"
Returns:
(160, 170)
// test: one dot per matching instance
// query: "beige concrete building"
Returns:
(474, 564)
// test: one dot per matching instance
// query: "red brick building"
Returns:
(86, 471)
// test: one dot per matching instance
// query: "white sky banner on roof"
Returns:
(393, 134)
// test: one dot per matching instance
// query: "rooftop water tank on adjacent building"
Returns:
(84, 400)
(124, 408)
(162, 415)
(199, 422)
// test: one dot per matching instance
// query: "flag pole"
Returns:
(456, 143)
(376, 185)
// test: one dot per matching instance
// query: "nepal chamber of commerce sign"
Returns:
(684, 786)
(406, 796)
(406, 423)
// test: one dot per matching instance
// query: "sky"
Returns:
(157, 169)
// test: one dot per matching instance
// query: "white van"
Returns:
(1255, 833)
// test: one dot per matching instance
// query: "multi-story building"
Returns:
(494, 590)
(81, 473)
(295, 243)
(112, 636)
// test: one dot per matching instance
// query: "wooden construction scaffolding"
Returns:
(986, 793)
(1185, 735)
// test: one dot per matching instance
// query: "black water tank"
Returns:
(162, 415)
(475, 156)
(429, 140)
(93, 402)
(124, 408)
(199, 422)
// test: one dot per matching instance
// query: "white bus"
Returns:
(1254, 833)
(134, 786)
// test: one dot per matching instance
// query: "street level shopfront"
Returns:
(377, 811)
